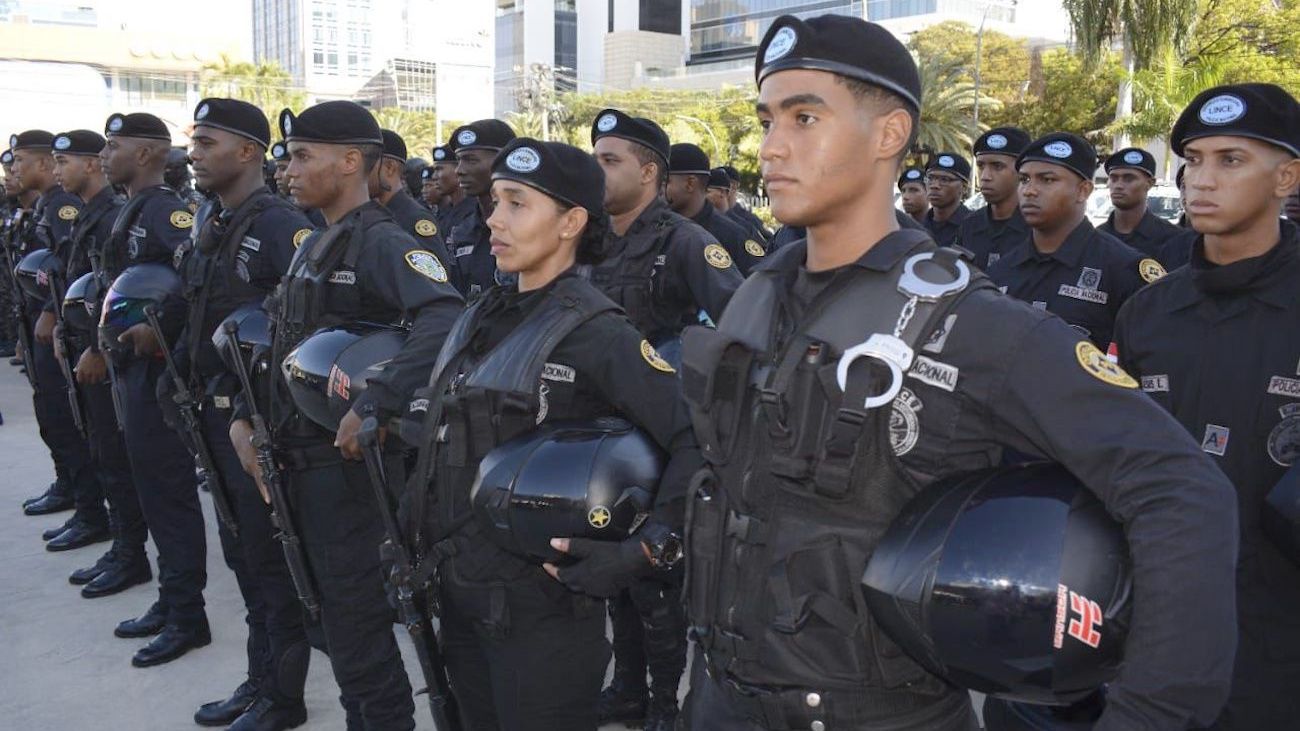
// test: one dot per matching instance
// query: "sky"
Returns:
(224, 18)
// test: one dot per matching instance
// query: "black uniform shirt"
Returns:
(1156, 238)
(418, 222)
(470, 247)
(1025, 381)
(946, 232)
(990, 239)
(91, 231)
(449, 217)
(745, 249)
(750, 220)
(1084, 282)
(163, 224)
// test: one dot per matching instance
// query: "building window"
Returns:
(662, 16)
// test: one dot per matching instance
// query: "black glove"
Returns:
(604, 568)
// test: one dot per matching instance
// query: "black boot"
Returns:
(626, 698)
(131, 568)
(225, 711)
(88, 574)
(147, 624)
(173, 642)
(661, 715)
(269, 715)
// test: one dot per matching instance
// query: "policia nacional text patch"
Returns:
(427, 264)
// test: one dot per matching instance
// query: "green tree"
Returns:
(265, 85)
(947, 103)
(1004, 63)
(1064, 95)
(419, 130)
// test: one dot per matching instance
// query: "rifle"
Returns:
(104, 349)
(19, 310)
(65, 363)
(442, 704)
(281, 518)
(189, 410)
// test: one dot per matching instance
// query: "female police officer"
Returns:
(526, 651)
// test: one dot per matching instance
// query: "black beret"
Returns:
(1003, 141)
(1132, 158)
(136, 124)
(485, 134)
(78, 142)
(394, 145)
(911, 175)
(426, 173)
(613, 123)
(561, 171)
(842, 45)
(7, 157)
(684, 158)
(1262, 112)
(31, 138)
(1062, 148)
(280, 152)
(951, 162)
(335, 122)
(718, 178)
(443, 153)
(731, 172)
(234, 116)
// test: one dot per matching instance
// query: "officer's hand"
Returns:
(91, 368)
(605, 568)
(241, 436)
(60, 352)
(346, 437)
(44, 331)
(142, 338)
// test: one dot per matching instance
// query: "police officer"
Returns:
(413, 175)
(947, 183)
(429, 192)
(1291, 208)
(736, 209)
(236, 258)
(1183, 220)
(718, 189)
(1066, 266)
(177, 176)
(53, 213)
(1217, 344)
(507, 626)
(149, 228)
(911, 184)
(998, 227)
(280, 153)
(8, 331)
(363, 267)
(387, 187)
(454, 207)
(804, 475)
(688, 177)
(1132, 172)
(80, 172)
(469, 242)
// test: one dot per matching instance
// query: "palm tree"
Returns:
(1145, 29)
(265, 85)
(419, 130)
(1162, 91)
(947, 107)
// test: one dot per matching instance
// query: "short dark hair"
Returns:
(370, 156)
(646, 156)
(884, 101)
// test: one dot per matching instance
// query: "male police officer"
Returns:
(470, 242)
(238, 257)
(149, 228)
(1067, 267)
(429, 192)
(387, 187)
(737, 210)
(688, 177)
(805, 476)
(911, 184)
(1132, 172)
(1217, 344)
(947, 183)
(998, 227)
(454, 207)
(80, 172)
(177, 177)
(363, 267)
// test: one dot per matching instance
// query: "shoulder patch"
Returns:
(717, 256)
(1151, 270)
(425, 227)
(182, 219)
(67, 213)
(1095, 362)
(300, 237)
(754, 248)
(427, 264)
(652, 356)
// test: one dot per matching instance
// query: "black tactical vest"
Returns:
(628, 277)
(114, 256)
(801, 479)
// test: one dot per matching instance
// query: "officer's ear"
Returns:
(572, 222)
(1085, 190)
(1287, 178)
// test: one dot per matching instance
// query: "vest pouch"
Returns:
(715, 374)
(796, 420)
(706, 518)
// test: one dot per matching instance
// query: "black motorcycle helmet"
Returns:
(79, 303)
(1013, 582)
(34, 272)
(411, 175)
(1281, 515)
(253, 328)
(328, 370)
(586, 479)
(136, 287)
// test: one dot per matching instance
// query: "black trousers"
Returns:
(114, 468)
(164, 479)
(650, 631)
(523, 655)
(341, 531)
(68, 449)
(277, 643)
